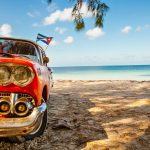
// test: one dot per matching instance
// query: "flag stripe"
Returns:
(43, 38)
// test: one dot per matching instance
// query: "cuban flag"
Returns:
(43, 38)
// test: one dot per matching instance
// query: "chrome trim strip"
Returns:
(13, 99)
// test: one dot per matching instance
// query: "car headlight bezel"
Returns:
(12, 68)
(29, 78)
(8, 80)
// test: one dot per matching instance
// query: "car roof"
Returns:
(20, 39)
(24, 40)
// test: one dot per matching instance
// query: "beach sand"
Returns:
(95, 115)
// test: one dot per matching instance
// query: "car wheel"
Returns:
(37, 133)
(40, 130)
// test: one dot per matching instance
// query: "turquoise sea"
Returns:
(126, 72)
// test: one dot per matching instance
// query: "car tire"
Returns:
(39, 132)
(41, 129)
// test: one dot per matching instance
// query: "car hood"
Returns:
(18, 60)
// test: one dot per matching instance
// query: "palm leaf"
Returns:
(49, 1)
(97, 7)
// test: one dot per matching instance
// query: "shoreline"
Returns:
(100, 78)
(95, 80)
(131, 72)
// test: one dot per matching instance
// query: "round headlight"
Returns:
(21, 107)
(22, 76)
(5, 74)
(4, 107)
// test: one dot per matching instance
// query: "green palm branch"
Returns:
(97, 7)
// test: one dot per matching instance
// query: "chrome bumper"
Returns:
(21, 126)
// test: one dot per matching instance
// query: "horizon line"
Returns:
(102, 65)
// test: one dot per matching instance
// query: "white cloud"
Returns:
(60, 30)
(147, 26)
(95, 33)
(69, 40)
(30, 14)
(33, 14)
(5, 30)
(85, 12)
(138, 29)
(65, 15)
(142, 28)
(53, 43)
(52, 7)
(126, 29)
(52, 18)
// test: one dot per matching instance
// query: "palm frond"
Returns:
(97, 7)
(49, 1)
(79, 25)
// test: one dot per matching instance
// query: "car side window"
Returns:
(39, 56)
(42, 54)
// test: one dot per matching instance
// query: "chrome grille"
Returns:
(4, 95)
(26, 96)
(19, 96)
(14, 98)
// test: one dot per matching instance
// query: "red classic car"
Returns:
(25, 83)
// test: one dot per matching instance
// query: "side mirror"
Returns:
(45, 60)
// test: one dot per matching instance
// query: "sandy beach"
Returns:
(95, 115)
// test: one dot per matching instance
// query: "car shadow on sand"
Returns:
(72, 125)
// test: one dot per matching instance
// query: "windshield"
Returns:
(19, 48)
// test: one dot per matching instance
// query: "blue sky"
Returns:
(125, 38)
